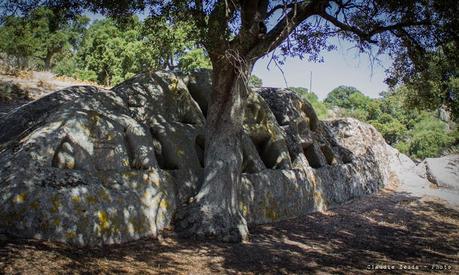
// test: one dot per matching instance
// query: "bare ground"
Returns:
(386, 229)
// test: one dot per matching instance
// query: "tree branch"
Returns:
(298, 13)
(280, 6)
(367, 36)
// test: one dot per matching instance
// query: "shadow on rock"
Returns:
(384, 229)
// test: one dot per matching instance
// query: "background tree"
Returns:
(437, 85)
(110, 51)
(41, 34)
(255, 81)
(16, 41)
(320, 108)
(236, 34)
(111, 54)
(193, 59)
(417, 133)
(345, 97)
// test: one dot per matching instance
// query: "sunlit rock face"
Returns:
(90, 167)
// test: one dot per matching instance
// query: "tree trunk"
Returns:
(47, 60)
(214, 211)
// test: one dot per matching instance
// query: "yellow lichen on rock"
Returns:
(271, 213)
(174, 84)
(20, 198)
(70, 234)
(244, 209)
(151, 177)
(164, 204)
(104, 222)
(271, 207)
(137, 224)
(55, 201)
(76, 199)
(69, 163)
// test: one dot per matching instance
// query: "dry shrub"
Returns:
(45, 85)
(22, 74)
(75, 80)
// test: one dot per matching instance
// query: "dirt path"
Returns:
(389, 228)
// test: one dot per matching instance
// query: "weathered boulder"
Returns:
(443, 171)
(90, 166)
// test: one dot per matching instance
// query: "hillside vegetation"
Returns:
(416, 132)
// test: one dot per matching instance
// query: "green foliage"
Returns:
(40, 36)
(320, 108)
(437, 84)
(428, 137)
(415, 133)
(112, 53)
(86, 75)
(392, 129)
(107, 52)
(65, 64)
(346, 97)
(175, 44)
(194, 59)
(255, 81)
(17, 41)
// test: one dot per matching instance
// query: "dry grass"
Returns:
(45, 85)
(385, 229)
(22, 74)
(75, 80)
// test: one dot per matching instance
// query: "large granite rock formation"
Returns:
(89, 166)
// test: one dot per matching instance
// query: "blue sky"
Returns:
(344, 66)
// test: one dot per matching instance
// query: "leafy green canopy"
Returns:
(107, 52)
(346, 97)
(407, 30)
(41, 35)
(111, 53)
(437, 84)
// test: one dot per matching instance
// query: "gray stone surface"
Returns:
(90, 166)
(443, 171)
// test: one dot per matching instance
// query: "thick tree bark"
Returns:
(214, 211)
(47, 60)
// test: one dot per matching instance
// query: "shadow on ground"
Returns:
(384, 229)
